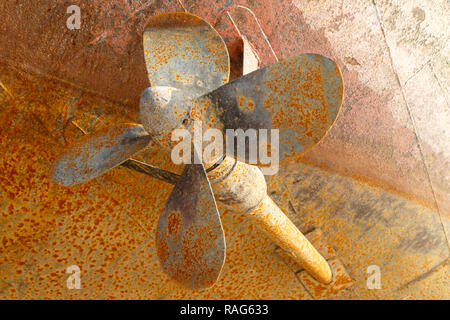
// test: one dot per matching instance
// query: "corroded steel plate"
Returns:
(190, 239)
(185, 52)
(300, 96)
(98, 152)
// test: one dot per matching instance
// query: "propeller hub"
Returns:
(163, 109)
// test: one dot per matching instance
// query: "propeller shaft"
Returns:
(242, 188)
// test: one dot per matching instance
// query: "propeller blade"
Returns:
(190, 239)
(183, 51)
(300, 96)
(98, 152)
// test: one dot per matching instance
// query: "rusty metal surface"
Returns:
(300, 96)
(190, 239)
(375, 140)
(46, 228)
(183, 51)
(367, 226)
(107, 225)
(242, 189)
(98, 152)
(109, 61)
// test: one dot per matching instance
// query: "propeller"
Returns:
(188, 69)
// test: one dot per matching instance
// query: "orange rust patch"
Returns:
(174, 223)
(246, 104)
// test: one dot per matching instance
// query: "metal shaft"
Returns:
(151, 171)
(269, 217)
(242, 188)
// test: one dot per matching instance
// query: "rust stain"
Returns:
(187, 41)
(97, 229)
